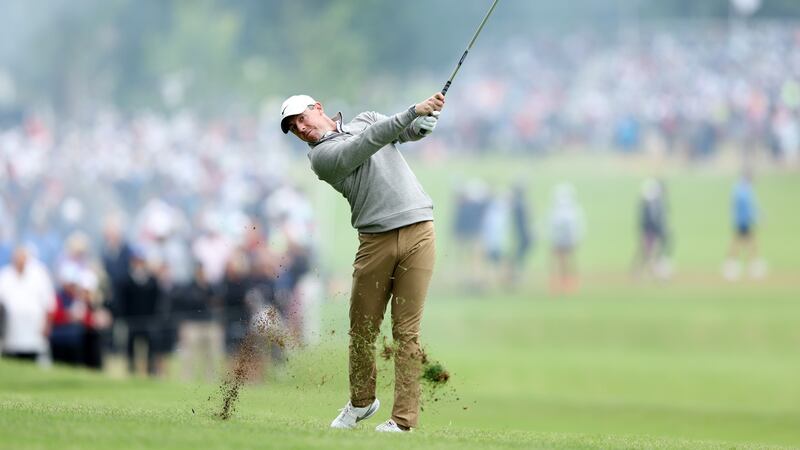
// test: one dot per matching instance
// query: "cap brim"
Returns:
(285, 123)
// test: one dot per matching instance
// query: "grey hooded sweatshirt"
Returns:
(361, 161)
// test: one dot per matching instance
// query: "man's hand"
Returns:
(426, 124)
(434, 103)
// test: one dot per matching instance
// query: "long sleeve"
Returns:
(335, 159)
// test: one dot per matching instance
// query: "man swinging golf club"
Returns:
(394, 219)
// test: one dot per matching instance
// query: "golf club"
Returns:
(464, 56)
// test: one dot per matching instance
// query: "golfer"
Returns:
(394, 219)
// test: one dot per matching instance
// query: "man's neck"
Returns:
(334, 125)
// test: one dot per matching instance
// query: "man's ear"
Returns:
(318, 106)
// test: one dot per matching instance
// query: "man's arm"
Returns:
(334, 160)
(410, 133)
(420, 127)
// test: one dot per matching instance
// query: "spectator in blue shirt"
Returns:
(744, 247)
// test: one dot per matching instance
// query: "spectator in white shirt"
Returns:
(27, 295)
(212, 249)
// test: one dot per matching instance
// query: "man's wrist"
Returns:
(415, 126)
(413, 110)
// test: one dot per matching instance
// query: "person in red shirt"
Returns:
(68, 329)
(77, 319)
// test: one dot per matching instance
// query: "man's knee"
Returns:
(363, 336)
(405, 337)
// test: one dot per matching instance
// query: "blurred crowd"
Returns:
(153, 236)
(496, 231)
(688, 91)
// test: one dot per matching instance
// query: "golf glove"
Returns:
(426, 124)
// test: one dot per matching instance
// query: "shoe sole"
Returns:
(371, 411)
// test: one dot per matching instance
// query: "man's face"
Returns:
(310, 125)
(20, 259)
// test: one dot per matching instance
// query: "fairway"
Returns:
(611, 368)
(695, 363)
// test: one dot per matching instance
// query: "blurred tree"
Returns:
(74, 71)
(134, 22)
(76, 55)
(308, 45)
(194, 60)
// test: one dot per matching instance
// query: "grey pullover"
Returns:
(361, 161)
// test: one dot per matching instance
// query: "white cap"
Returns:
(293, 106)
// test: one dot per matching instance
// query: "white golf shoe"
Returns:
(349, 416)
(390, 427)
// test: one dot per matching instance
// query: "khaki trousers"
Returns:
(395, 264)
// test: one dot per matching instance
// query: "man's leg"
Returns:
(372, 271)
(412, 277)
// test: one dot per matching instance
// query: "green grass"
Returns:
(697, 363)
(610, 368)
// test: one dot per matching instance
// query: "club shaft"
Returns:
(471, 43)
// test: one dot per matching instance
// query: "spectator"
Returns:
(212, 249)
(68, 329)
(162, 239)
(265, 273)
(744, 246)
(96, 319)
(116, 257)
(233, 290)
(270, 309)
(472, 199)
(28, 296)
(200, 339)
(521, 229)
(164, 324)
(138, 302)
(293, 265)
(786, 131)
(652, 253)
(494, 231)
(566, 231)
